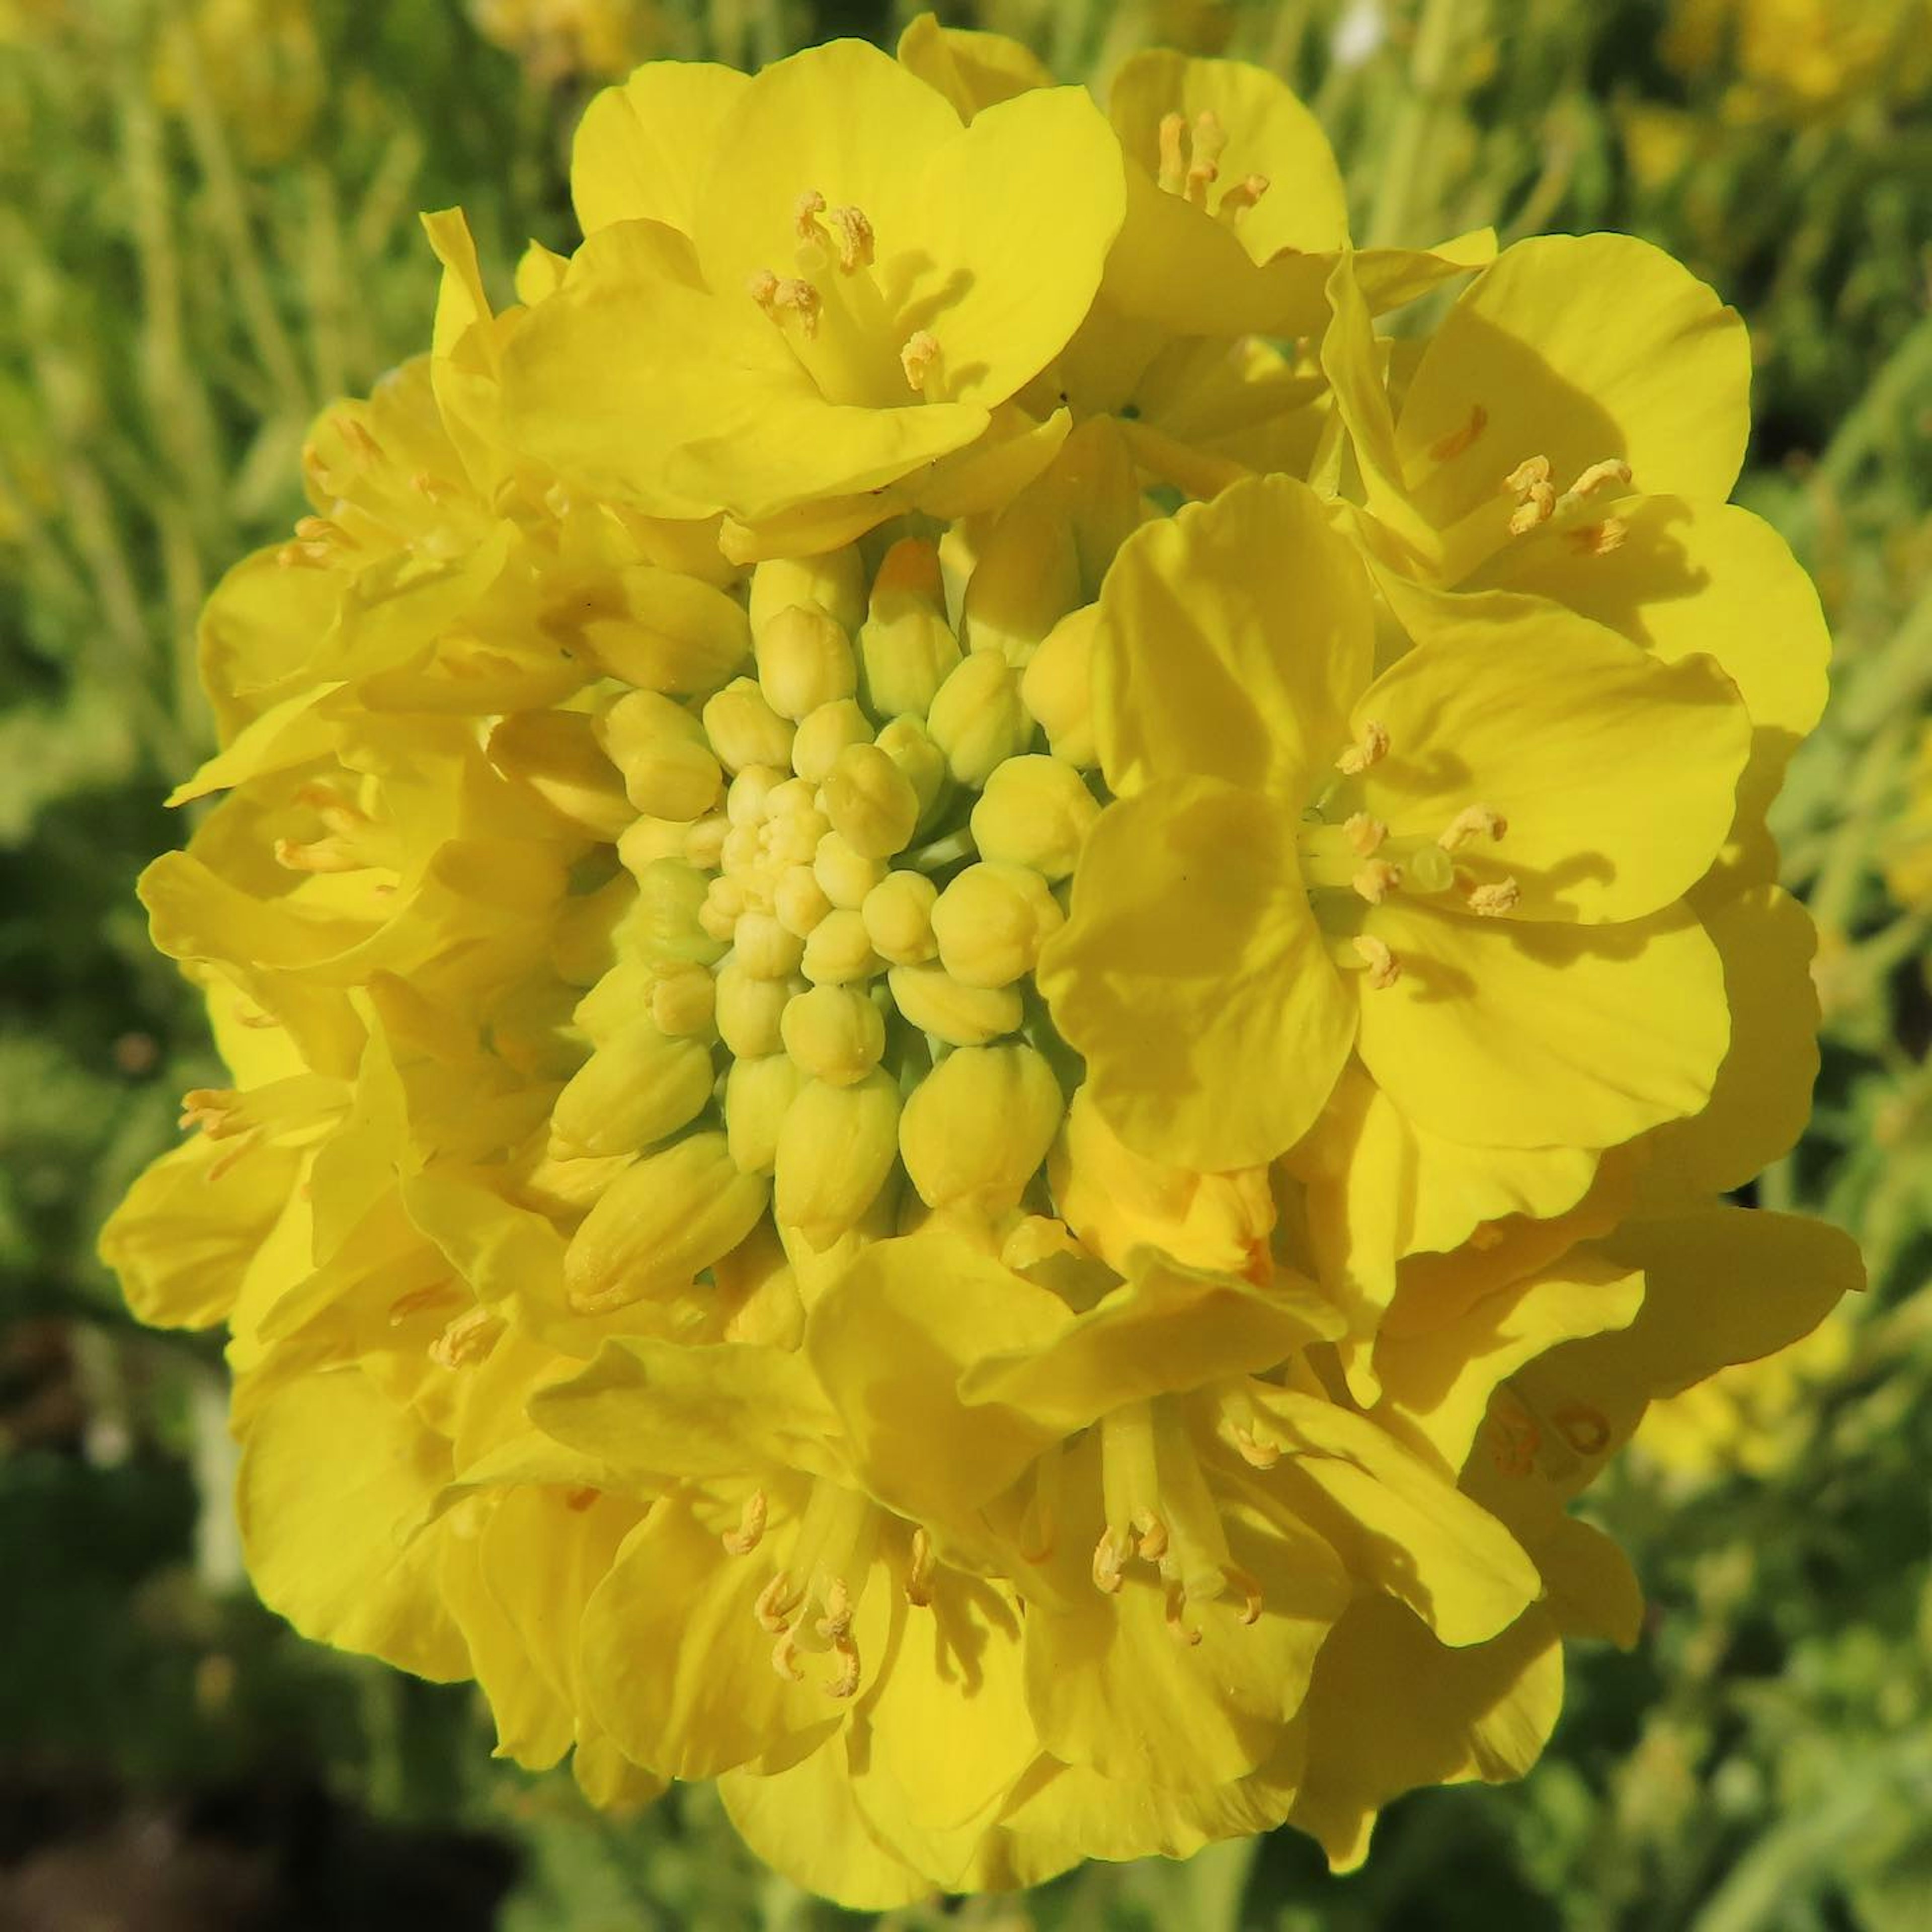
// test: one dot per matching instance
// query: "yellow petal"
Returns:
(972, 70)
(642, 148)
(535, 1727)
(1579, 348)
(1192, 977)
(1617, 775)
(1501, 1034)
(1232, 639)
(1391, 1709)
(341, 1558)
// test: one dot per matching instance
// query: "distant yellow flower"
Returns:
(558, 38)
(1796, 59)
(1908, 856)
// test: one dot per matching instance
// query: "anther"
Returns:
(805, 211)
(1256, 1453)
(1152, 1535)
(303, 555)
(1613, 470)
(1210, 138)
(802, 299)
(1446, 448)
(762, 288)
(1242, 197)
(1364, 834)
(1493, 900)
(775, 1604)
(855, 239)
(784, 1658)
(1473, 821)
(216, 1110)
(1376, 881)
(356, 433)
(319, 855)
(838, 1617)
(319, 530)
(1369, 749)
(1385, 968)
(846, 1683)
(417, 1300)
(1173, 152)
(919, 1571)
(1600, 539)
(1250, 1586)
(1177, 1626)
(916, 358)
(742, 1540)
(1107, 1563)
(468, 1339)
(1529, 483)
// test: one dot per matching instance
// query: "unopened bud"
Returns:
(931, 999)
(990, 923)
(638, 1086)
(749, 1010)
(799, 901)
(1024, 580)
(907, 649)
(823, 733)
(765, 948)
(846, 875)
(661, 1222)
(834, 579)
(975, 1130)
(758, 1094)
(835, 1149)
(835, 1034)
(669, 771)
(898, 913)
(839, 950)
(871, 802)
(744, 730)
(1057, 687)
(675, 634)
(910, 746)
(977, 718)
(805, 660)
(662, 926)
(1035, 812)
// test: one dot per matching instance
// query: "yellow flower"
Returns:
(1468, 870)
(558, 38)
(1908, 856)
(1796, 60)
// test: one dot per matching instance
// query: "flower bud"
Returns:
(637, 1086)
(907, 649)
(591, 929)
(975, 1130)
(977, 719)
(1024, 580)
(1058, 687)
(990, 922)
(839, 950)
(835, 1149)
(799, 901)
(847, 875)
(556, 754)
(871, 802)
(910, 746)
(805, 660)
(823, 733)
(621, 996)
(764, 948)
(932, 1000)
(744, 730)
(684, 1000)
(663, 1220)
(898, 913)
(662, 925)
(758, 1094)
(749, 1010)
(836, 1033)
(674, 634)
(668, 769)
(644, 840)
(834, 580)
(1035, 812)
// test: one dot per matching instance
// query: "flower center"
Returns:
(1190, 166)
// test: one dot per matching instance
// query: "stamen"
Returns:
(1250, 1586)
(468, 1339)
(1173, 152)
(417, 1300)
(1178, 1628)
(846, 1683)
(1107, 1564)
(916, 358)
(803, 300)
(304, 556)
(1376, 881)
(855, 239)
(1152, 1535)
(805, 211)
(1600, 539)
(775, 1604)
(356, 433)
(1530, 472)
(1493, 901)
(784, 1658)
(319, 530)
(319, 855)
(838, 1617)
(1210, 138)
(1529, 482)
(1612, 470)
(762, 288)
(1384, 969)
(1473, 821)
(1370, 749)
(1242, 197)
(1446, 448)
(742, 1540)
(1256, 1453)
(919, 1571)
(1364, 833)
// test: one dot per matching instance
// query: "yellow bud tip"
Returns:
(1369, 749)
(1364, 834)
(917, 358)
(1384, 969)
(1376, 881)
(1107, 1564)
(1453, 445)
(1473, 821)
(1493, 900)
(855, 239)
(745, 1538)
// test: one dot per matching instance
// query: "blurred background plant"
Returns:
(207, 212)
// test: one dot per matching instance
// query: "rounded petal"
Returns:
(1579, 348)
(1617, 775)
(1501, 1034)
(1232, 639)
(642, 148)
(972, 70)
(1191, 975)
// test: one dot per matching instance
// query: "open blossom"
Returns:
(907, 1131)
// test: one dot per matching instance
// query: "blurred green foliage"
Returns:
(207, 215)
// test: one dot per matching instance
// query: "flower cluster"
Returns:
(988, 985)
